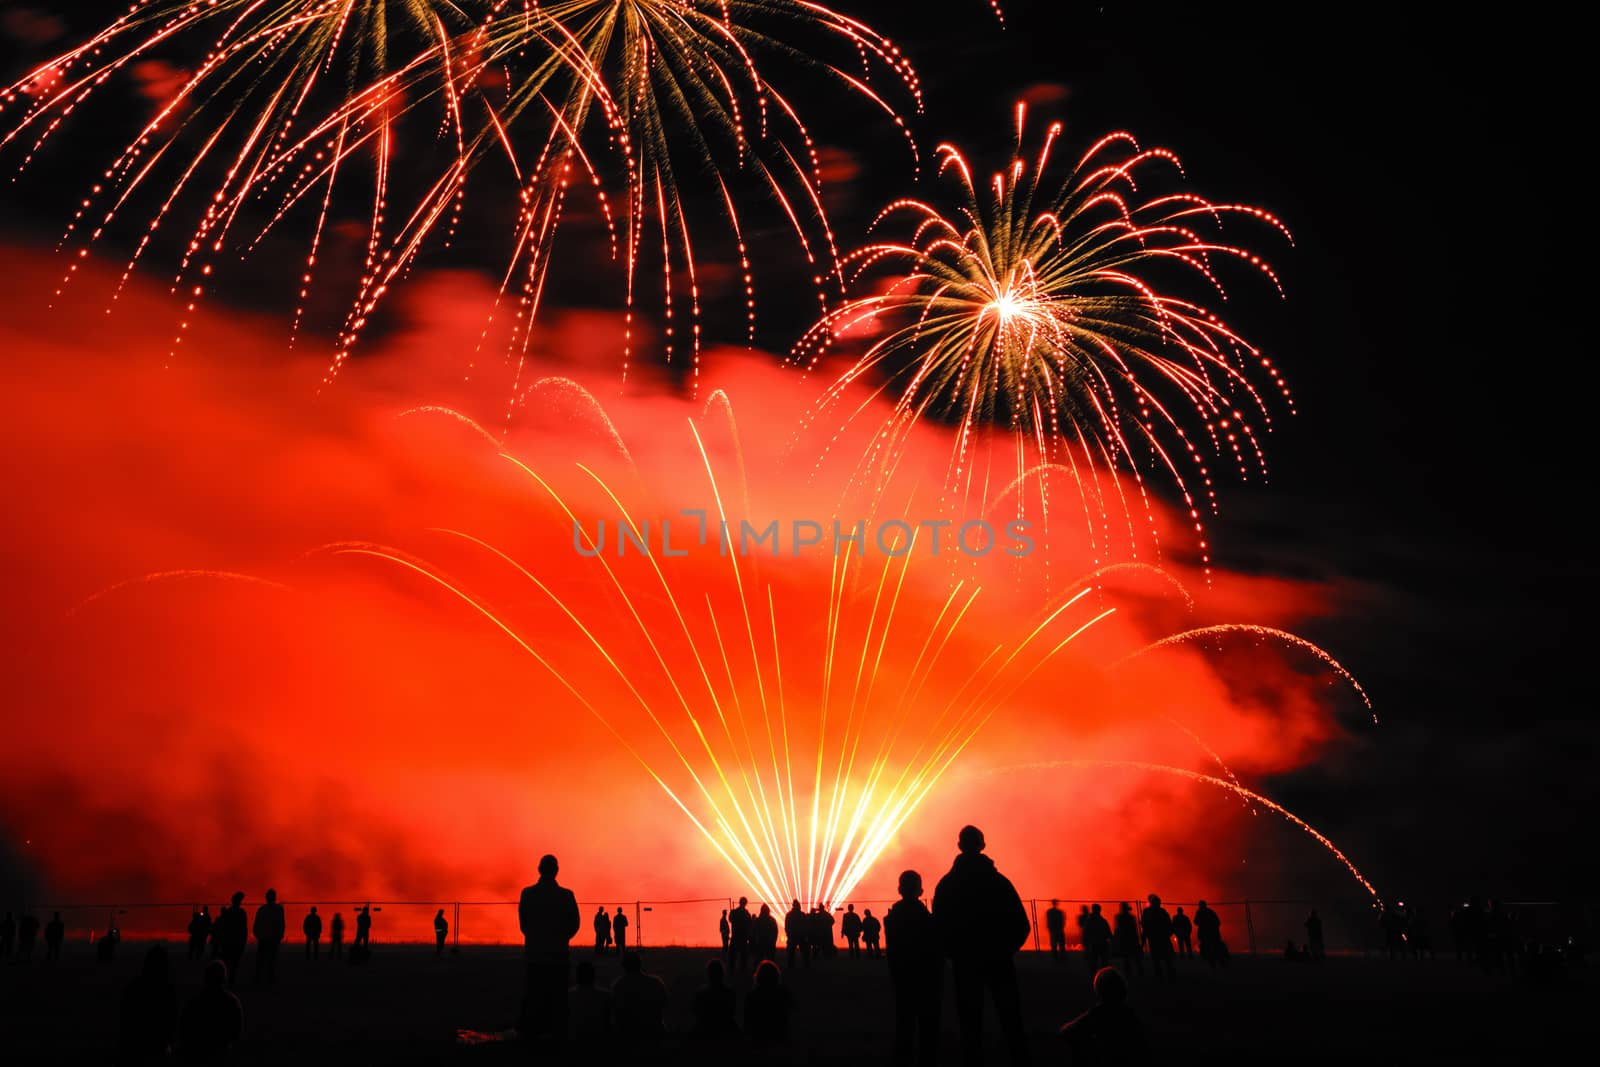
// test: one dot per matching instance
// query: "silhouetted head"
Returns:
(1124, 906)
(238, 898)
(155, 963)
(441, 911)
(724, 913)
(765, 911)
(910, 885)
(1095, 908)
(601, 910)
(272, 896)
(768, 976)
(631, 964)
(216, 974)
(743, 901)
(794, 905)
(850, 908)
(714, 974)
(314, 909)
(1083, 909)
(970, 839)
(548, 866)
(55, 916)
(1201, 904)
(619, 909)
(867, 913)
(1155, 901)
(1109, 986)
(586, 973)
(1180, 909)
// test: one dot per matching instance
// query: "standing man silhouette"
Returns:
(1055, 922)
(1156, 932)
(916, 968)
(727, 933)
(199, 930)
(850, 927)
(982, 923)
(796, 931)
(336, 936)
(311, 926)
(232, 932)
(739, 937)
(364, 926)
(1127, 937)
(1182, 928)
(602, 930)
(1208, 928)
(269, 929)
(619, 930)
(870, 930)
(548, 915)
(441, 930)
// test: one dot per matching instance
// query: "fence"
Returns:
(1248, 926)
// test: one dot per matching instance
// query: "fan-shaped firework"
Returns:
(1035, 304)
(287, 97)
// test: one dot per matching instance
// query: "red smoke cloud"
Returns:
(343, 728)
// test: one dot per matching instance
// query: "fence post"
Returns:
(1034, 904)
(1249, 928)
(457, 926)
(638, 926)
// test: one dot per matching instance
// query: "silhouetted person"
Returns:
(149, 1018)
(726, 931)
(797, 934)
(1393, 925)
(850, 927)
(764, 935)
(55, 932)
(638, 1001)
(311, 926)
(269, 929)
(441, 931)
(1108, 1033)
(871, 928)
(1096, 940)
(1055, 926)
(212, 1021)
(739, 922)
(1156, 931)
(769, 1005)
(1290, 953)
(199, 931)
(1126, 933)
(105, 949)
(548, 915)
(27, 934)
(619, 930)
(822, 931)
(363, 926)
(8, 936)
(1183, 929)
(715, 1007)
(232, 933)
(916, 970)
(602, 931)
(336, 936)
(982, 923)
(588, 1005)
(1208, 931)
(1314, 935)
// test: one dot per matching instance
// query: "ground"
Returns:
(405, 1007)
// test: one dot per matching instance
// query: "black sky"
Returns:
(1439, 472)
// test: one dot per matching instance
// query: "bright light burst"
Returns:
(798, 767)
(634, 98)
(1034, 305)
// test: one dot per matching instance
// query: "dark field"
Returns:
(406, 1005)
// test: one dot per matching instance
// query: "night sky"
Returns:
(1438, 475)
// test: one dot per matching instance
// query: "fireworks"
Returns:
(1034, 305)
(797, 752)
(289, 99)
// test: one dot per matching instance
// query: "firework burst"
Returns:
(1033, 306)
(290, 102)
